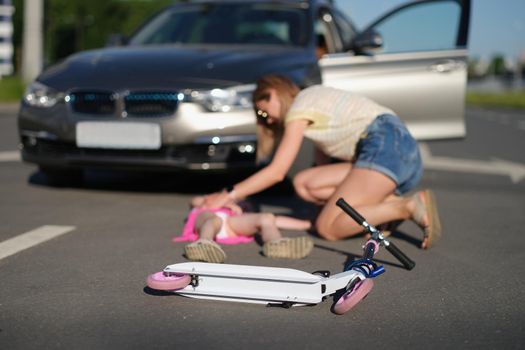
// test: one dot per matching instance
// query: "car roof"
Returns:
(306, 2)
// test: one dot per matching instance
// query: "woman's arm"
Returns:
(271, 174)
(282, 161)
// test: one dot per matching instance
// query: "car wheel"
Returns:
(59, 177)
(162, 281)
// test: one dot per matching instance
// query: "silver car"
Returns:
(177, 94)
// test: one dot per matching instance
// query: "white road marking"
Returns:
(505, 120)
(10, 156)
(516, 171)
(31, 238)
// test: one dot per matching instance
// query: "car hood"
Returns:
(176, 67)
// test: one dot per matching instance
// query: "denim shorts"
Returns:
(387, 146)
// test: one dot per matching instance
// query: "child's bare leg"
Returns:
(289, 223)
(274, 245)
(207, 225)
(250, 224)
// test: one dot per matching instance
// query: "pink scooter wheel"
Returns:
(351, 298)
(160, 281)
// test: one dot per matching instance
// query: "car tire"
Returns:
(61, 177)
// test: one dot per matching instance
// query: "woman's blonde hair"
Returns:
(269, 135)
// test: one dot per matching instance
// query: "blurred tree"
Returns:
(497, 65)
(472, 67)
(76, 25)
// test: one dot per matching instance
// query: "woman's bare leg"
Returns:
(318, 184)
(371, 193)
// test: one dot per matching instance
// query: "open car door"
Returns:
(412, 60)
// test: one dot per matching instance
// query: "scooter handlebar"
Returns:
(341, 203)
(398, 254)
(403, 259)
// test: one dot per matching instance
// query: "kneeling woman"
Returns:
(380, 159)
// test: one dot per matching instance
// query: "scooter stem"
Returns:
(395, 251)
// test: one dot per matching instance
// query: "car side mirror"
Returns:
(116, 40)
(367, 40)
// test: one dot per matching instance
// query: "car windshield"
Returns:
(233, 23)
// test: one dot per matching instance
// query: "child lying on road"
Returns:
(230, 222)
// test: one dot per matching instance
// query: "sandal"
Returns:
(205, 250)
(426, 206)
(289, 248)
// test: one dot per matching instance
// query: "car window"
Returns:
(425, 27)
(268, 24)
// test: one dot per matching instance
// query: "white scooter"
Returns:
(280, 286)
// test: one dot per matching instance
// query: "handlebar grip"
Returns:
(341, 203)
(405, 260)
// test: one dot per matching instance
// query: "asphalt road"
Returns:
(85, 289)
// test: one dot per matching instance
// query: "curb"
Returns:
(9, 107)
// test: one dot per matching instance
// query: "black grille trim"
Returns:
(151, 103)
(136, 103)
(93, 102)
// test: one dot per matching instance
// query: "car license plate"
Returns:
(118, 135)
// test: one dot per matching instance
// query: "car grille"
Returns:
(151, 103)
(92, 102)
(137, 104)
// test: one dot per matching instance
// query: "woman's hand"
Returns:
(235, 208)
(217, 200)
(271, 174)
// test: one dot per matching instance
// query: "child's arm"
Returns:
(198, 202)
(289, 223)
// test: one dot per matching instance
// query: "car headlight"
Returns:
(224, 100)
(40, 95)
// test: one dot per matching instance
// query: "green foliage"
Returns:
(497, 65)
(515, 99)
(11, 89)
(76, 25)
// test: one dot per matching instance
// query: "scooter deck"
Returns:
(244, 271)
(257, 284)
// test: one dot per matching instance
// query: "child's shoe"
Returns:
(205, 250)
(289, 248)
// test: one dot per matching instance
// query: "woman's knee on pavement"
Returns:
(328, 229)
(305, 188)
(300, 182)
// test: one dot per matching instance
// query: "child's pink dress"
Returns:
(225, 235)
